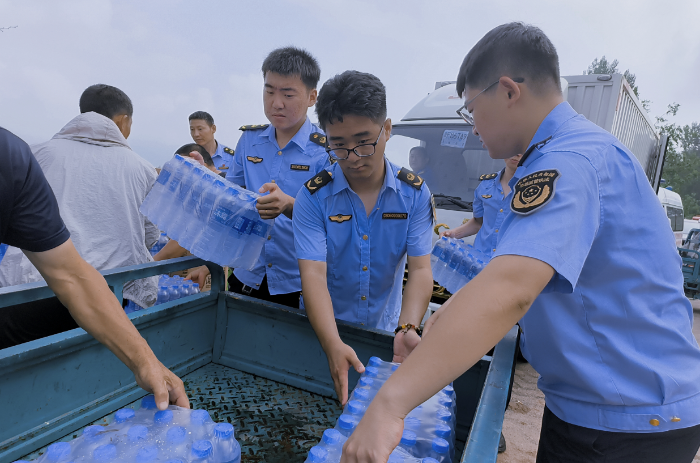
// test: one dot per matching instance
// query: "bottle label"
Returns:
(163, 177)
(241, 225)
(223, 215)
(260, 229)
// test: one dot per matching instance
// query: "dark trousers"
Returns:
(263, 292)
(33, 320)
(564, 442)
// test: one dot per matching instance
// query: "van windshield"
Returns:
(447, 156)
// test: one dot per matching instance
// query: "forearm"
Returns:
(470, 228)
(171, 250)
(416, 296)
(319, 309)
(290, 209)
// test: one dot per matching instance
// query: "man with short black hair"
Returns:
(199, 154)
(202, 130)
(603, 315)
(356, 223)
(276, 159)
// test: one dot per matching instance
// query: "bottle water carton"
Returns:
(212, 218)
(149, 435)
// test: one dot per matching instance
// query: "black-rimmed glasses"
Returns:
(465, 114)
(361, 151)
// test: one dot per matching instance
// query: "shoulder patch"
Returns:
(409, 177)
(254, 127)
(318, 138)
(488, 176)
(229, 151)
(319, 181)
(534, 191)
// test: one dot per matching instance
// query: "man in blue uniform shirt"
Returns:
(586, 262)
(354, 225)
(202, 130)
(276, 159)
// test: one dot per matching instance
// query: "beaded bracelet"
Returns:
(407, 326)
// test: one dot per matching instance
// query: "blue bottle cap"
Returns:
(195, 285)
(175, 435)
(443, 415)
(429, 460)
(372, 372)
(408, 438)
(58, 451)
(104, 453)
(92, 430)
(442, 430)
(356, 407)
(347, 422)
(137, 433)
(449, 390)
(201, 449)
(317, 454)
(445, 401)
(411, 422)
(199, 417)
(148, 402)
(366, 381)
(147, 454)
(440, 445)
(163, 417)
(361, 394)
(331, 436)
(394, 367)
(123, 415)
(375, 362)
(223, 430)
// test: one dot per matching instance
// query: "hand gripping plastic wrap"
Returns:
(209, 216)
(149, 435)
(429, 430)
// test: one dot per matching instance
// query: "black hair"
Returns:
(106, 100)
(203, 115)
(351, 93)
(185, 150)
(513, 50)
(292, 61)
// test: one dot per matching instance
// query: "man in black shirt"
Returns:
(30, 220)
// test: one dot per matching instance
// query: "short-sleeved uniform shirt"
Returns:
(222, 157)
(611, 333)
(29, 216)
(490, 204)
(365, 255)
(259, 160)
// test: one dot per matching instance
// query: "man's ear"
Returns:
(313, 96)
(122, 121)
(213, 129)
(511, 88)
(387, 129)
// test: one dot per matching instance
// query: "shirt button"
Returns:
(494, 249)
(497, 230)
(675, 419)
(273, 180)
(269, 265)
(364, 269)
(364, 237)
(501, 210)
(269, 237)
(364, 298)
(654, 422)
(279, 153)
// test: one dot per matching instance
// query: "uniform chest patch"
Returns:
(395, 215)
(486, 196)
(254, 159)
(534, 191)
(339, 218)
(299, 167)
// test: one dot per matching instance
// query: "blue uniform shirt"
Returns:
(611, 333)
(223, 157)
(365, 255)
(259, 160)
(490, 204)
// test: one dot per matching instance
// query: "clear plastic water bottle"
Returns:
(362, 395)
(333, 441)
(162, 420)
(476, 268)
(429, 460)
(226, 448)
(452, 279)
(160, 209)
(442, 266)
(443, 431)
(137, 436)
(92, 437)
(444, 416)
(146, 454)
(186, 213)
(179, 181)
(408, 442)
(437, 251)
(464, 269)
(58, 453)
(440, 450)
(317, 454)
(201, 451)
(199, 423)
(173, 293)
(176, 442)
(153, 199)
(199, 214)
(356, 408)
(186, 288)
(366, 381)
(346, 424)
(163, 295)
(104, 453)
(208, 238)
(195, 288)
(372, 372)
(224, 213)
(411, 422)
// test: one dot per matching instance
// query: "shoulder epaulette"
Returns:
(488, 176)
(321, 179)
(405, 175)
(318, 138)
(254, 127)
(229, 151)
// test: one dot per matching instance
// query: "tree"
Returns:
(603, 66)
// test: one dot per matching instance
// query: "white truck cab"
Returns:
(673, 205)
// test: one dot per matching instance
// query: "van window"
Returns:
(675, 215)
(448, 157)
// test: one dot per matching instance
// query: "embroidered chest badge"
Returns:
(534, 191)
(486, 196)
(340, 218)
(254, 159)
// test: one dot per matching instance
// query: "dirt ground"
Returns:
(523, 418)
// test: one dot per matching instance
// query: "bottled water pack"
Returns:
(209, 216)
(160, 244)
(147, 435)
(454, 264)
(172, 288)
(429, 430)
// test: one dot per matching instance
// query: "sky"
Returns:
(176, 57)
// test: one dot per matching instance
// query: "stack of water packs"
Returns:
(429, 430)
(147, 435)
(454, 263)
(209, 216)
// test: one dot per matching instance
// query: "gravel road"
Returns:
(523, 418)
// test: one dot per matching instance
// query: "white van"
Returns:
(673, 205)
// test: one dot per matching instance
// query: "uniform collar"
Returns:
(497, 180)
(301, 138)
(549, 126)
(340, 182)
(219, 149)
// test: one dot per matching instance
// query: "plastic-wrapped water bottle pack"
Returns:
(160, 244)
(172, 288)
(209, 216)
(429, 430)
(454, 263)
(147, 435)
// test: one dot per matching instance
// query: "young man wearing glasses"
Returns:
(603, 315)
(354, 225)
